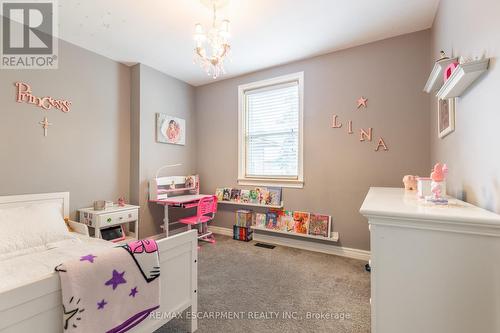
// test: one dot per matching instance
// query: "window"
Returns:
(270, 132)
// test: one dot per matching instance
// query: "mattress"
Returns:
(30, 267)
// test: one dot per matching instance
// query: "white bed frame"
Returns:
(37, 306)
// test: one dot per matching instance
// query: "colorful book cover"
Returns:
(262, 194)
(287, 221)
(319, 225)
(235, 194)
(245, 196)
(279, 214)
(265, 197)
(274, 196)
(244, 218)
(219, 193)
(301, 222)
(271, 220)
(226, 194)
(260, 220)
(254, 197)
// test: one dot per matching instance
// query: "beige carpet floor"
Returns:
(244, 288)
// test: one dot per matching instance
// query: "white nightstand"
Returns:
(97, 220)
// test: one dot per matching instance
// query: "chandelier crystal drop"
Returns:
(216, 41)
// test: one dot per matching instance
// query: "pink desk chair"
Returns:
(207, 207)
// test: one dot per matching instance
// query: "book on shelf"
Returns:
(272, 220)
(265, 196)
(287, 222)
(301, 222)
(274, 196)
(226, 194)
(254, 196)
(319, 225)
(242, 233)
(219, 193)
(262, 195)
(260, 220)
(235, 194)
(245, 196)
(279, 213)
(244, 218)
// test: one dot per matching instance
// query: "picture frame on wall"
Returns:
(446, 117)
(170, 129)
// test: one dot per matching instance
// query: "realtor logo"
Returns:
(27, 39)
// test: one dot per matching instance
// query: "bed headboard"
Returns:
(61, 198)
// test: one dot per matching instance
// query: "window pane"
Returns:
(272, 137)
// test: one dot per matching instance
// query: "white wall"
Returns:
(471, 28)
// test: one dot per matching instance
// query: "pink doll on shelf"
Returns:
(438, 176)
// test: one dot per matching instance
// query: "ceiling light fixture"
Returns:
(216, 40)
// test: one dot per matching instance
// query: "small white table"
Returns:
(112, 216)
(182, 201)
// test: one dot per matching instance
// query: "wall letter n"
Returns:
(365, 135)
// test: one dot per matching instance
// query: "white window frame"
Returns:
(295, 182)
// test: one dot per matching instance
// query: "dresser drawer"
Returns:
(118, 218)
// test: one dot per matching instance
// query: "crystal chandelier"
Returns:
(216, 40)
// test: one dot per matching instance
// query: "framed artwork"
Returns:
(446, 117)
(170, 129)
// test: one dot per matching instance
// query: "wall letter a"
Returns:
(381, 143)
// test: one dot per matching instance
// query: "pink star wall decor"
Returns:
(362, 102)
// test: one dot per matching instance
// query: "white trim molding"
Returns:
(221, 230)
(302, 244)
(296, 182)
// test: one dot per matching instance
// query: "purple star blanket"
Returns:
(110, 291)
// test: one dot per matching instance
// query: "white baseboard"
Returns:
(302, 244)
(221, 231)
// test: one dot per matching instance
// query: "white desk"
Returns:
(183, 201)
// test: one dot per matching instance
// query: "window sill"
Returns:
(271, 182)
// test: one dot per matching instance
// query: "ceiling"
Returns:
(265, 33)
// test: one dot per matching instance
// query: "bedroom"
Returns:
(125, 107)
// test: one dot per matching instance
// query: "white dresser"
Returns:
(435, 269)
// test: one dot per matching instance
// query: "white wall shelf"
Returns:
(250, 204)
(461, 78)
(436, 80)
(334, 238)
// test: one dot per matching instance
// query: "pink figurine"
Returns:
(440, 172)
(121, 202)
(410, 182)
(438, 176)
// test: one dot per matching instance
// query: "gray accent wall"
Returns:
(87, 151)
(470, 28)
(154, 92)
(338, 168)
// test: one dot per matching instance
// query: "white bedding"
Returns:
(40, 263)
